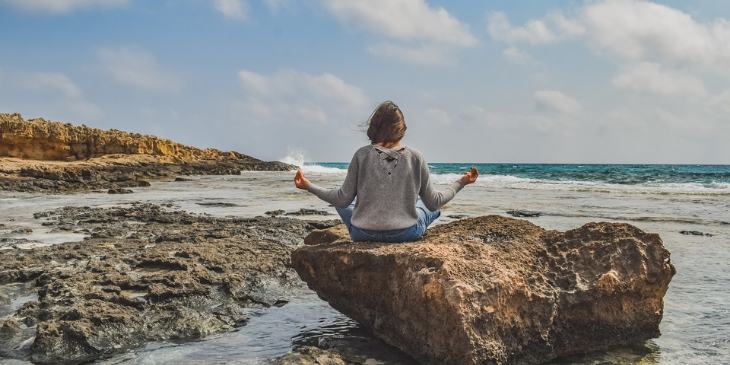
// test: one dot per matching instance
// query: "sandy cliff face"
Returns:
(41, 156)
(39, 139)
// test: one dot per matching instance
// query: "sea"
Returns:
(687, 205)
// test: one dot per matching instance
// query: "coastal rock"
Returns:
(308, 211)
(217, 204)
(695, 233)
(520, 213)
(120, 191)
(145, 274)
(496, 290)
(38, 139)
(40, 155)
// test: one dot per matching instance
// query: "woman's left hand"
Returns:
(300, 181)
(469, 177)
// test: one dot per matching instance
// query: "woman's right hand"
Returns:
(300, 181)
(469, 177)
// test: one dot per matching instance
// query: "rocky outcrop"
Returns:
(38, 139)
(38, 155)
(496, 290)
(146, 273)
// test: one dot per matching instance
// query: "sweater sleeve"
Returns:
(344, 195)
(432, 199)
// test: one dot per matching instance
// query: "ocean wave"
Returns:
(523, 183)
(298, 159)
(514, 182)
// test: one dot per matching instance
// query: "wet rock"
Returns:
(143, 183)
(523, 213)
(307, 211)
(497, 290)
(149, 274)
(327, 235)
(182, 179)
(217, 204)
(23, 230)
(274, 213)
(695, 233)
(310, 355)
(120, 191)
(457, 216)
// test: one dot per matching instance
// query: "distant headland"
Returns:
(50, 156)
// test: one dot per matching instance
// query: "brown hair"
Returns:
(386, 124)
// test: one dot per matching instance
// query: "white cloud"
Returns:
(300, 98)
(428, 54)
(641, 30)
(631, 29)
(437, 116)
(233, 9)
(418, 32)
(138, 68)
(553, 100)
(721, 102)
(405, 20)
(61, 6)
(552, 28)
(653, 78)
(45, 94)
(54, 82)
(516, 55)
(275, 5)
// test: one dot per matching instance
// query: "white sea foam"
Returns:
(298, 159)
(514, 182)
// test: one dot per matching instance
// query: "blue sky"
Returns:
(480, 81)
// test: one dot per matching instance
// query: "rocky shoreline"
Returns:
(43, 156)
(145, 273)
(149, 273)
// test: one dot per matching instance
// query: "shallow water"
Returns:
(696, 325)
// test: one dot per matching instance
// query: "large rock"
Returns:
(495, 290)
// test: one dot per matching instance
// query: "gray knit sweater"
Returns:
(387, 183)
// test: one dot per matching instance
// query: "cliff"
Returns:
(39, 155)
(38, 139)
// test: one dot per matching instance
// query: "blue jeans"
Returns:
(412, 233)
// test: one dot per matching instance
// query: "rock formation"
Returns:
(146, 273)
(38, 139)
(496, 290)
(38, 155)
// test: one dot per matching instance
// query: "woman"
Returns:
(387, 179)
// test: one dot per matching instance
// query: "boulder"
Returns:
(496, 290)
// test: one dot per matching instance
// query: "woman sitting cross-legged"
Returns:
(387, 194)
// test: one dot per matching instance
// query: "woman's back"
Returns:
(387, 179)
(387, 183)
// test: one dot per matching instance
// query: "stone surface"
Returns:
(120, 191)
(521, 213)
(145, 273)
(496, 290)
(695, 233)
(40, 155)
